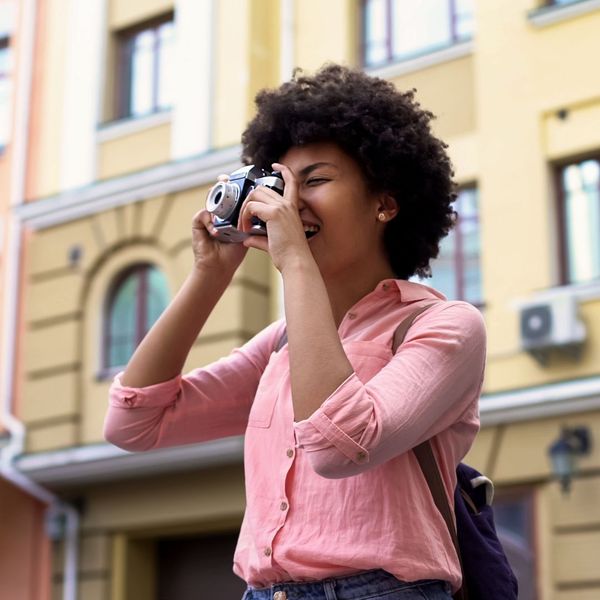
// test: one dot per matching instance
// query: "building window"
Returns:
(145, 70)
(8, 11)
(560, 2)
(394, 30)
(5, 90)
(456, 272)
(579, 198)
(513, 515)
(137, 298)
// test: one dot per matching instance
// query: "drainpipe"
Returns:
(16, 429)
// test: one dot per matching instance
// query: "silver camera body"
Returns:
(225, 199)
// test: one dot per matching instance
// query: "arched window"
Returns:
(137, 298)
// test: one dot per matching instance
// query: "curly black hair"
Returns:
(385, 131)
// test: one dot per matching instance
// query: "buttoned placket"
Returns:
(283, 505)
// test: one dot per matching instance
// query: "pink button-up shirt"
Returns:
(340, 492)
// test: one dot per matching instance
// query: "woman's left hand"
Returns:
(286, 241)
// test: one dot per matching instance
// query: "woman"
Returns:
(336, 504)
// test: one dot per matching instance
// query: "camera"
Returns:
(225, 200)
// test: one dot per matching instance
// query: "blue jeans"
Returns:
(368, 585)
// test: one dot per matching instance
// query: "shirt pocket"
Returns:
(367, 358)
(263, 406)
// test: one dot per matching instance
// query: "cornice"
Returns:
(545, 401)
(103, 462)
(141, 185)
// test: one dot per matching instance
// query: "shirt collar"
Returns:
(411, 291)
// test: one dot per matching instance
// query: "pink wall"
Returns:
(25, 572)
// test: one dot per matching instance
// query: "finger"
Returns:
(223, 177)
(254, 208)
(202, 220)
(259, 242)
(289, 179)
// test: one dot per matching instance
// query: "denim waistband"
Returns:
(361, 585)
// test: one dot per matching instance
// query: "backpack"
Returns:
(487, 574)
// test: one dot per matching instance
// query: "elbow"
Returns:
(113, 436)
(126, 440)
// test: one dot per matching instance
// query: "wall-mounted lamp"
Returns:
(564, 452)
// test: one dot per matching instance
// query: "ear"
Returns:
(386, 204)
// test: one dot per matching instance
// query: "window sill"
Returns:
(130, 125)
(423, 61)
(584, 292)
(549, 15)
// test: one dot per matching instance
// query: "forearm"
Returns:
(163, 351)
(318, 363)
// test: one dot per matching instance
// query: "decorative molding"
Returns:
(105, 195)
(105, 462)
(549, 15)
(424, 61)
(555, 399)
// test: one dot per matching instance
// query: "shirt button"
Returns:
(283, 506)
(386, 287)
(361, 456)
(352, 316)
(290, 452)
(267, 551)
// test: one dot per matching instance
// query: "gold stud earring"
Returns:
(381, 216)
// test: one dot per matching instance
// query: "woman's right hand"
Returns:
(209, 253)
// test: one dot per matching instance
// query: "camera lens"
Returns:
(222, 199)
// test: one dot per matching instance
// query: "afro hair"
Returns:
(385, 131)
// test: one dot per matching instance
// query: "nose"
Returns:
(301, 202)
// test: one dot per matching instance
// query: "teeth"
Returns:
(311, 228)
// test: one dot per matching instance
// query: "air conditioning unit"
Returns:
(551, 323)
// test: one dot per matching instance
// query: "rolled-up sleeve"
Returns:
(205, 404)
(431, 384)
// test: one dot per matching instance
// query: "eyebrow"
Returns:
(310, 168)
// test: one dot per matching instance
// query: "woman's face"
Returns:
(334, 200)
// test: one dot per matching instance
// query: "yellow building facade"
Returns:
(114, 176)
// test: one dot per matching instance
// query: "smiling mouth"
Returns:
(311, 230)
